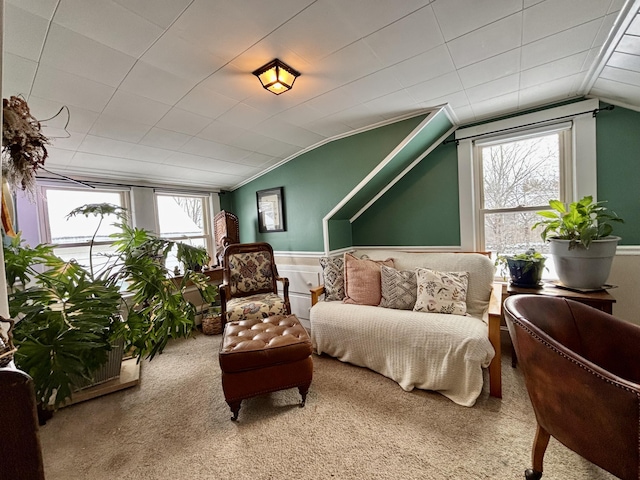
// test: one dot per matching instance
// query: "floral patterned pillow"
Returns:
(333, 275)
(441, 292)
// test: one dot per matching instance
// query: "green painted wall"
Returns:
(421, 209)
(313, 183)
(618, 147)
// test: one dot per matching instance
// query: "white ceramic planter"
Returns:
(581, 267)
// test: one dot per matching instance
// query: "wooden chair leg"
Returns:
(537, 454)
(235, 409)
(495, 367)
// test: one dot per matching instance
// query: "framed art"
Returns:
(270, 210)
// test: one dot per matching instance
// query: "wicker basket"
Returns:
(211, 324)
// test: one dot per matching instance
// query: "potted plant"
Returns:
(581, 242)
(525, 268)
(192, 257)
(70, 316)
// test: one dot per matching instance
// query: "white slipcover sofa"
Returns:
(432, 351)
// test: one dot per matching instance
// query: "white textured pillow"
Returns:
(441, 292)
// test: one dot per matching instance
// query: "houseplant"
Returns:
(70, 316)
(581, 242)
(525, 268)
(192, 257)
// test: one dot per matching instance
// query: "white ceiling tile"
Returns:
(554, 16)
(392, 105)
(430, 64)
(108, 23)
(104, 146)
(187, 160)
(159, 138)
(316, 32)
(24, 32)
(634, 28)
(19, 74)
(486, 42)
(490, 69)
(244, 116)
(502, 104)
(436, 87)
(332, 102)
(74, 53)
(72, 142)
(145, 153)
(56, 85)
(42, 8)
(218, 131)
(58, 157)
(378, 84)
(283, 131)
(454, 100)
(406, 38)
(561, 45)
(156, 84)
(454, 23)
(530, 3)
(350, 63)
(206, 102)
(553, 70)
(299, 115)
(102, 164)
(465, 115)
(278, 149)
(629, 44)
(135, 108)
(119, 129)
(256, 159)
(182, 121)
(493, 89)
(366, 16)
(79, 119)
(328, 127)
(620, 75)
(611, 90)
(616, 5)
(359, 116)
(250, 141)
(232, 83)
(605, 30)
(548, 92)
(206, 148)
(624, 60)
(159, 12)
(182, 58)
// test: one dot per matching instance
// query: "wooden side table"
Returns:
(602, 300)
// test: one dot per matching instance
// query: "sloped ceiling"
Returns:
(161, 91)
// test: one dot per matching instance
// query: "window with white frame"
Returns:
(517, 175)
(496, 212)
(72, 235)
(184, 218)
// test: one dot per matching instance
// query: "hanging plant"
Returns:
(23, 144)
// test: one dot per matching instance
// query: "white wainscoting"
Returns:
(301, 279)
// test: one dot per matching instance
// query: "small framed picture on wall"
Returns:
(271, 210)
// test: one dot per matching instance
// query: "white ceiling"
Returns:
(161, 91)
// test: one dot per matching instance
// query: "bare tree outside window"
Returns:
(519, 178)
(192, 207)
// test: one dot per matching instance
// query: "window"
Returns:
(517, 176)
(72, 235)
(184, 218)
(499, 219)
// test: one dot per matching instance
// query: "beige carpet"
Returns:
(356, 424)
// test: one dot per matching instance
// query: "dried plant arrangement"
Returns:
(23, 145)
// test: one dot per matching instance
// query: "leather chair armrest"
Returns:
(315, 294)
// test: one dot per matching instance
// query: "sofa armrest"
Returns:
(315, 294)
(494, 318)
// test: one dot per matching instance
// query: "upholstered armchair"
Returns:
(582, 371)
(249, 287)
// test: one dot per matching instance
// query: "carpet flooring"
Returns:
(356, 424)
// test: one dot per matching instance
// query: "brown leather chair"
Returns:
(249, 287)
(582, 371)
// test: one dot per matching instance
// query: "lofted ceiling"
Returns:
(161, 91)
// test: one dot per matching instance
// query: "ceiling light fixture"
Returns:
(276, 76)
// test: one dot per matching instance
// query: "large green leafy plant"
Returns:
(582, 223)
(70, 315)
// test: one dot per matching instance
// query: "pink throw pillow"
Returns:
(362, 282)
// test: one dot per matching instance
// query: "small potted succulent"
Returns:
(525, 269)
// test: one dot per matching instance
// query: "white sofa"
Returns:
(431, 351)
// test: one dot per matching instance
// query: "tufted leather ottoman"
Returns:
(264, 355)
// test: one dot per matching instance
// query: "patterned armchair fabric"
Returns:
(249, 288)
